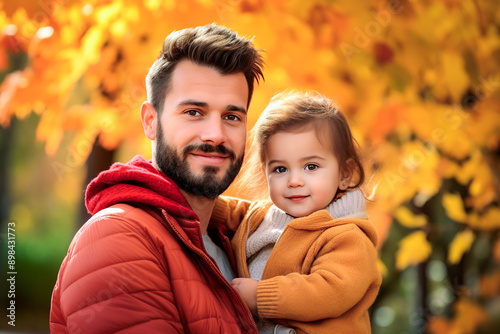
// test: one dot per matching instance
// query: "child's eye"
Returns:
(280, 169)
(311, 167)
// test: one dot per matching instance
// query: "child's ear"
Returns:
(346, 174)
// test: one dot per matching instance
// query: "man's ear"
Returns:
(346, 174)
(149, 120)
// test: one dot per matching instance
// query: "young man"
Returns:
(149, 260)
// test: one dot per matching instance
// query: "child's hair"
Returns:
(292, 112)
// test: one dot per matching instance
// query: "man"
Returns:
(149, 260)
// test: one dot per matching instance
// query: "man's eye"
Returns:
(233, 117)
(311, 167)
(192, 112)
(280, 169)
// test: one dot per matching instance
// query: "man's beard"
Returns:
(177, 168)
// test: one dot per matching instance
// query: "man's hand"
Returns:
(247, 289)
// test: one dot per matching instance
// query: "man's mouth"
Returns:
(209, 152)
(209, 158)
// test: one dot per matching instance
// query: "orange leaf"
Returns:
(439, 325)
(490, 285)
(382, 222)
(468, 317)
(385, 122)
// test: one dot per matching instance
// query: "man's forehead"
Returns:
(196, 84)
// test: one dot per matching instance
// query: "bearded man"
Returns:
(150, 260)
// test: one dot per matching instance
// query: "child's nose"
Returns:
(295, 180)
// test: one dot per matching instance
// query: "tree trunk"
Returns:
(423, 311)
(6, 135)
(99, 159)
(5, 156)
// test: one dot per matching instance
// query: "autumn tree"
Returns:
(418, 81)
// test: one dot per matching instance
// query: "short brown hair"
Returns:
(213, 46)
(293, 111)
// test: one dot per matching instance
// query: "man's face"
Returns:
(200, 137)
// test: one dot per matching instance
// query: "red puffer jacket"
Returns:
(141, 267)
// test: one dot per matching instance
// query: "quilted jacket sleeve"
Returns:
(113, 279)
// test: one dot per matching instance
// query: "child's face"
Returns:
(302, 174)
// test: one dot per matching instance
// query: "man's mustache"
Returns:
(207, 148)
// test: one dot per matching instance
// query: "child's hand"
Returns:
(247, 288)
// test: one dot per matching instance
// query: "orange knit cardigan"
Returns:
(321, 276)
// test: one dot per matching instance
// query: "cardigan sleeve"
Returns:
(229, 211)
(343, 271)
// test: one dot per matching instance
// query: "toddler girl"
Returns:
(306, 260)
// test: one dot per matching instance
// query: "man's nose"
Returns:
(213, 131)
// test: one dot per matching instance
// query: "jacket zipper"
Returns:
(215, 269)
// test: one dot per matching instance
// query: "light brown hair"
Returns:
(213, 46)
(293, 112)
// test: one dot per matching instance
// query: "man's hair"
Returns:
(213, 46)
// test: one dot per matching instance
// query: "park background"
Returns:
(418, 80)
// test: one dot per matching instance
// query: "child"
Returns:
(299, 265)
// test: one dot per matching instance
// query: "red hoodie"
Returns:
(139, 265)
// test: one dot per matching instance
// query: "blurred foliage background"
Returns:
(418, 80)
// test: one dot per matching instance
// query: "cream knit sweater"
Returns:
(261, 243)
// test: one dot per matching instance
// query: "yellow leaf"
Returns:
(454, 74)
(413, 249)
(91, 44)
(456, 144)
(382, 268)
(406, 218)
(490, 220)
(454, 207)
(468, 169)
(460, 245)
(118, 28)
(107, 13)
(447, 168)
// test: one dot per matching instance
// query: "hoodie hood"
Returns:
(321, 220)
(137, 181)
